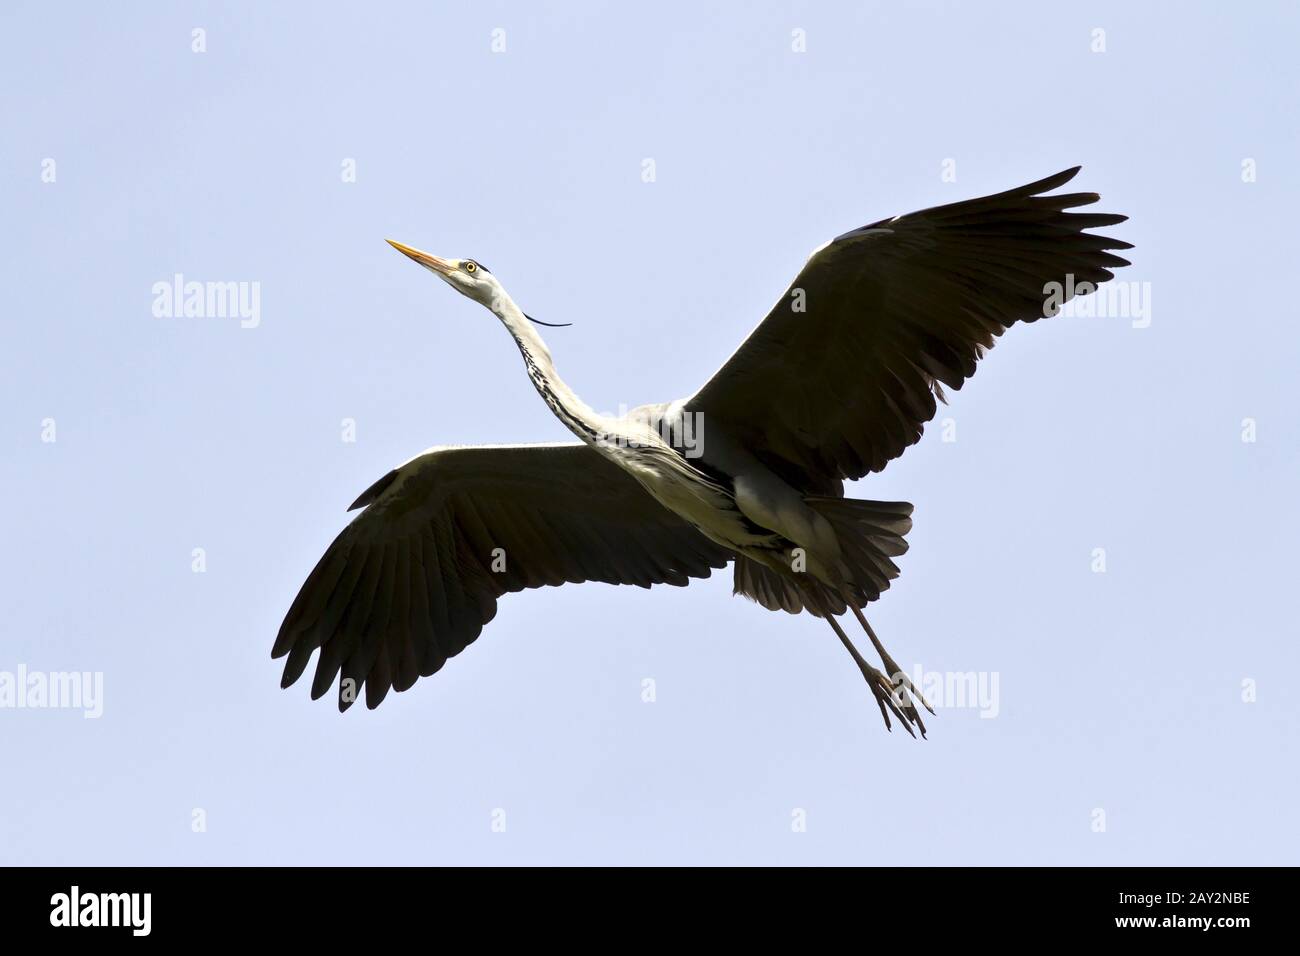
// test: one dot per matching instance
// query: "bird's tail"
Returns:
(870, 534)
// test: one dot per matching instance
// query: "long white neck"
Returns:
(576, 415)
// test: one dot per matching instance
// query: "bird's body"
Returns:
(835, 382)
(730, 496)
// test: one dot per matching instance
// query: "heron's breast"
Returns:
(700, 502)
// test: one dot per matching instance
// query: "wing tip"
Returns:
(283, 642)
(1066, 175)
(1048, 183)
(374, 491)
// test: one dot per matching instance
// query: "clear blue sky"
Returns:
(1120, 691)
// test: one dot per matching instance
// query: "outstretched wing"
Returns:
(890, 311)
(413, 579)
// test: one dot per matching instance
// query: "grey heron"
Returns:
(836, 381)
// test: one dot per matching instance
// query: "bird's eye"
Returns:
(471, 266)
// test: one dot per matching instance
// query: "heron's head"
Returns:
(464, 275)
(469, 278)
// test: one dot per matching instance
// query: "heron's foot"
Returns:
(896, 673)
(891, 697)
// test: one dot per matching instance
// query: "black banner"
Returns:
(204, 905)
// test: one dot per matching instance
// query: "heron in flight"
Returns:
(835, 382)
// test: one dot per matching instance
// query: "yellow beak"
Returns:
(423, 258)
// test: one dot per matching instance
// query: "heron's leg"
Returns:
(895, 672)
(881, 687)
